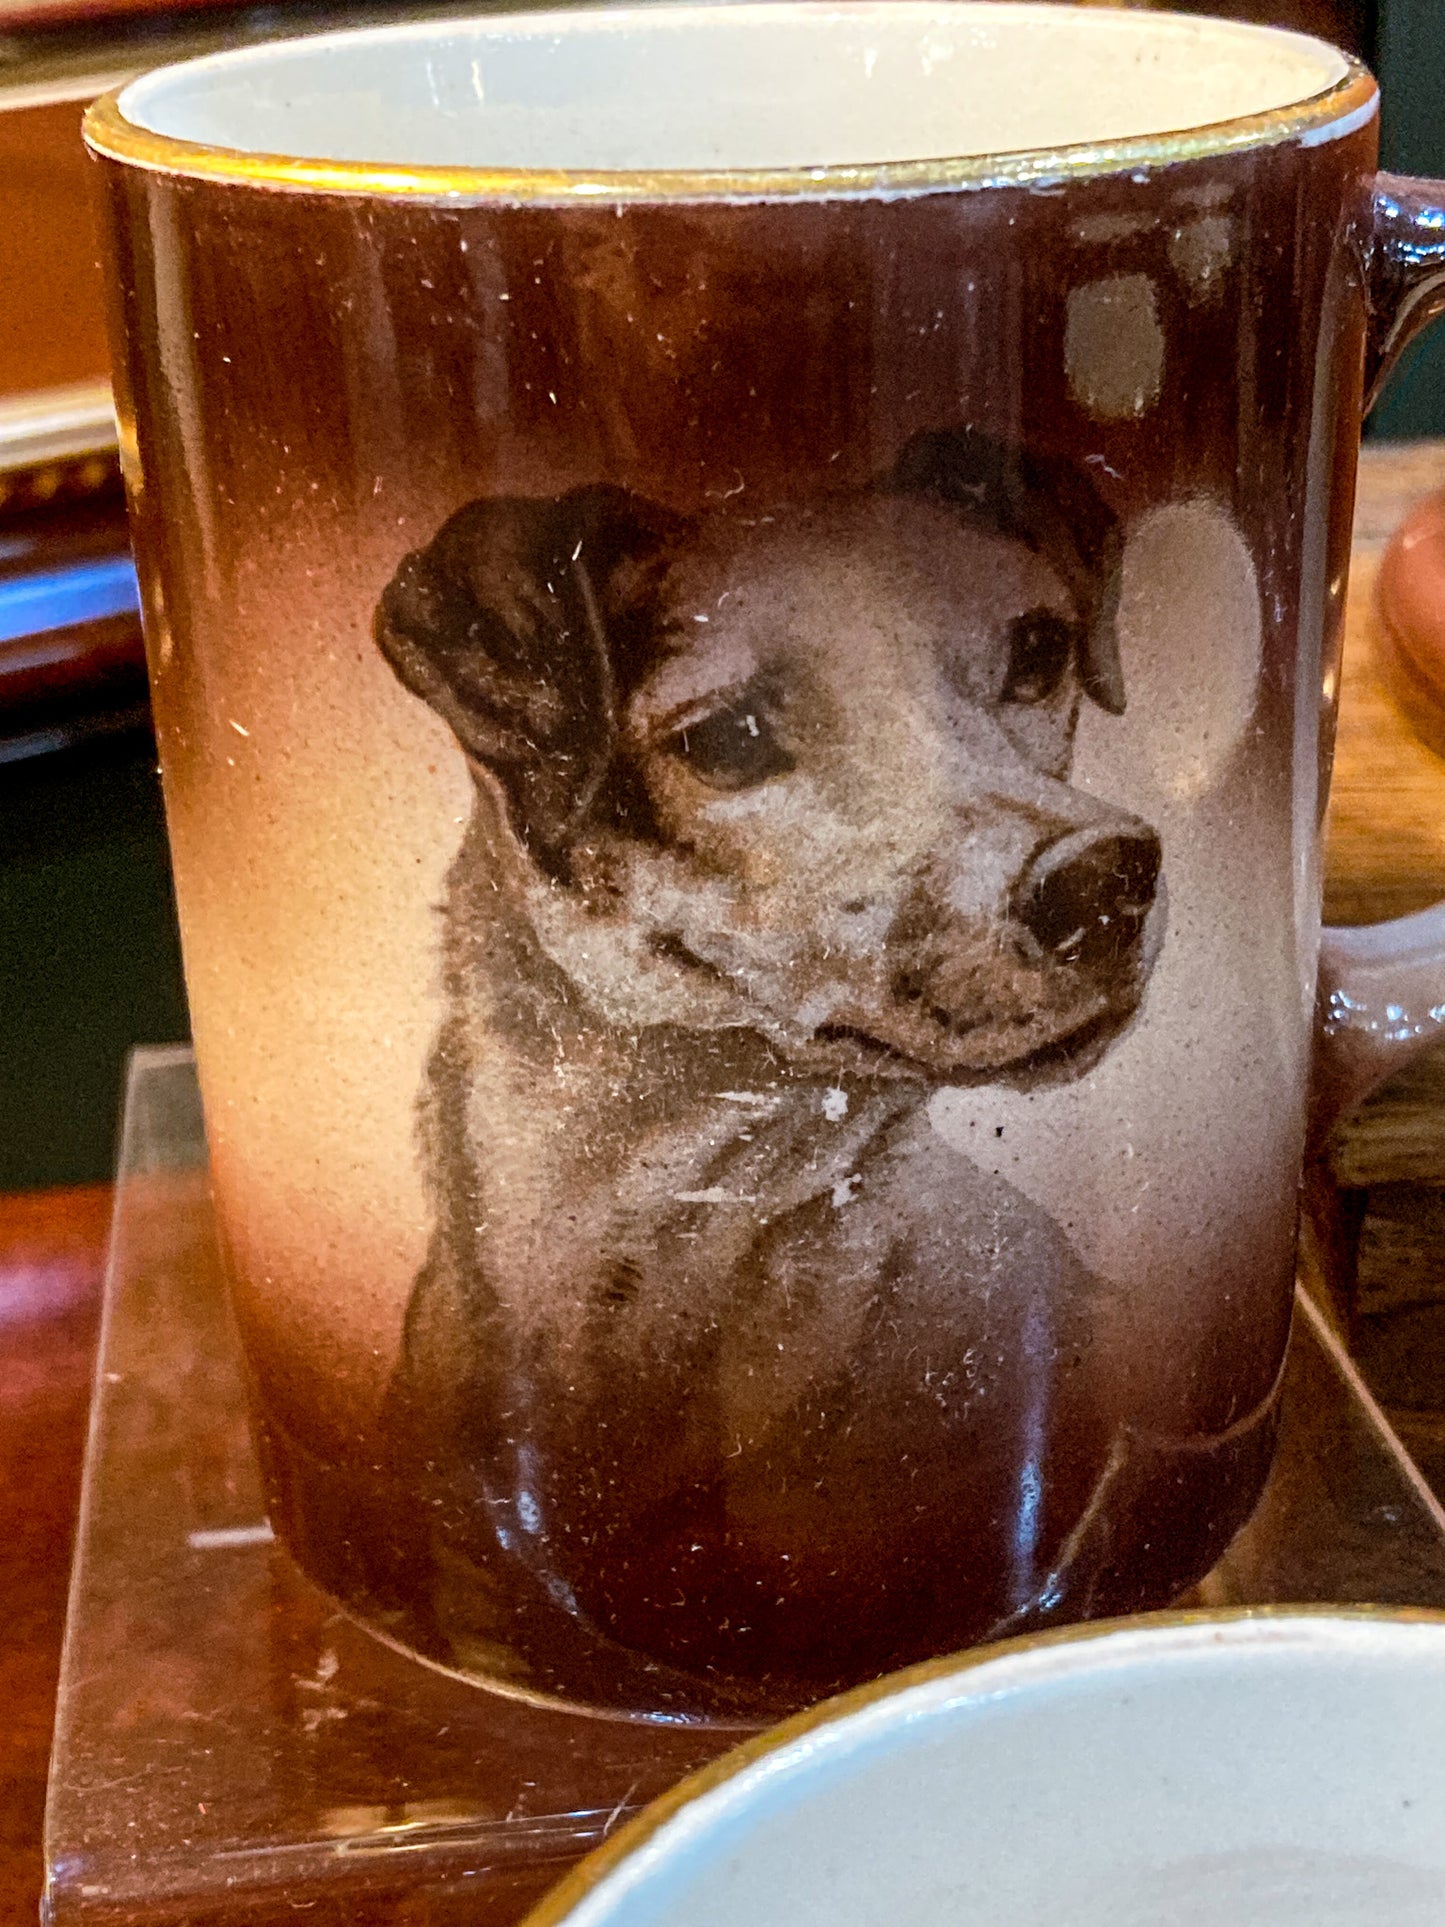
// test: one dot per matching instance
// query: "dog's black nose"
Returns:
(1086, 897)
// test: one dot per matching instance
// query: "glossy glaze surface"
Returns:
(754, 987)
(1206, 1770)
(686, 100)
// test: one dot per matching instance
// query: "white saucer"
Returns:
(1281, 1769)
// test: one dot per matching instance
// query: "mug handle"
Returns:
(1382, 985)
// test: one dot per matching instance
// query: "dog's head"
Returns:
(806, 772)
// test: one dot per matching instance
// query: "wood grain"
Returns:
(1385, 840)
(1385, 857)
(52, 1254)
(52, 320)
(1385, 845)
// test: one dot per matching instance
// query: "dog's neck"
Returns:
(719, 1112)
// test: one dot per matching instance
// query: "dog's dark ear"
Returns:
(1051, 504)
(524, 623)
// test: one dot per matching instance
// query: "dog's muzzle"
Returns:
(1086, 898)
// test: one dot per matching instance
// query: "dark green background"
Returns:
(89, 963)
(1410, 61)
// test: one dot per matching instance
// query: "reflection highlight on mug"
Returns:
(734, 1372)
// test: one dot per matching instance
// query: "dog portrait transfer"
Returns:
(726, 1373)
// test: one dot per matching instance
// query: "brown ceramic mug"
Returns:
(743, 606)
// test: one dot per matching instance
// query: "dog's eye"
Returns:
(733, 749)
(1041, 646)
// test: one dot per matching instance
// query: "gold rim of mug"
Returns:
(1352, 99)
(589, 1874)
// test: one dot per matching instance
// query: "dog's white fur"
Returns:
(699, 1255)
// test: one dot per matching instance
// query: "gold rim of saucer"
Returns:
(589, 1874)
(1336, 111)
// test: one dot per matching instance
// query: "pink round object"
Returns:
(1412, 610)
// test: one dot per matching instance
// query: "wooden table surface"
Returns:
(1386, 856)
(52, 1249)
(1385, 853)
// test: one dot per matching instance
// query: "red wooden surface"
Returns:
(52, 321)
(52, 1251)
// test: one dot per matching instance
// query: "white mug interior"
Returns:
(786, 84)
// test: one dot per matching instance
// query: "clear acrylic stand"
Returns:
(230, 1746)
